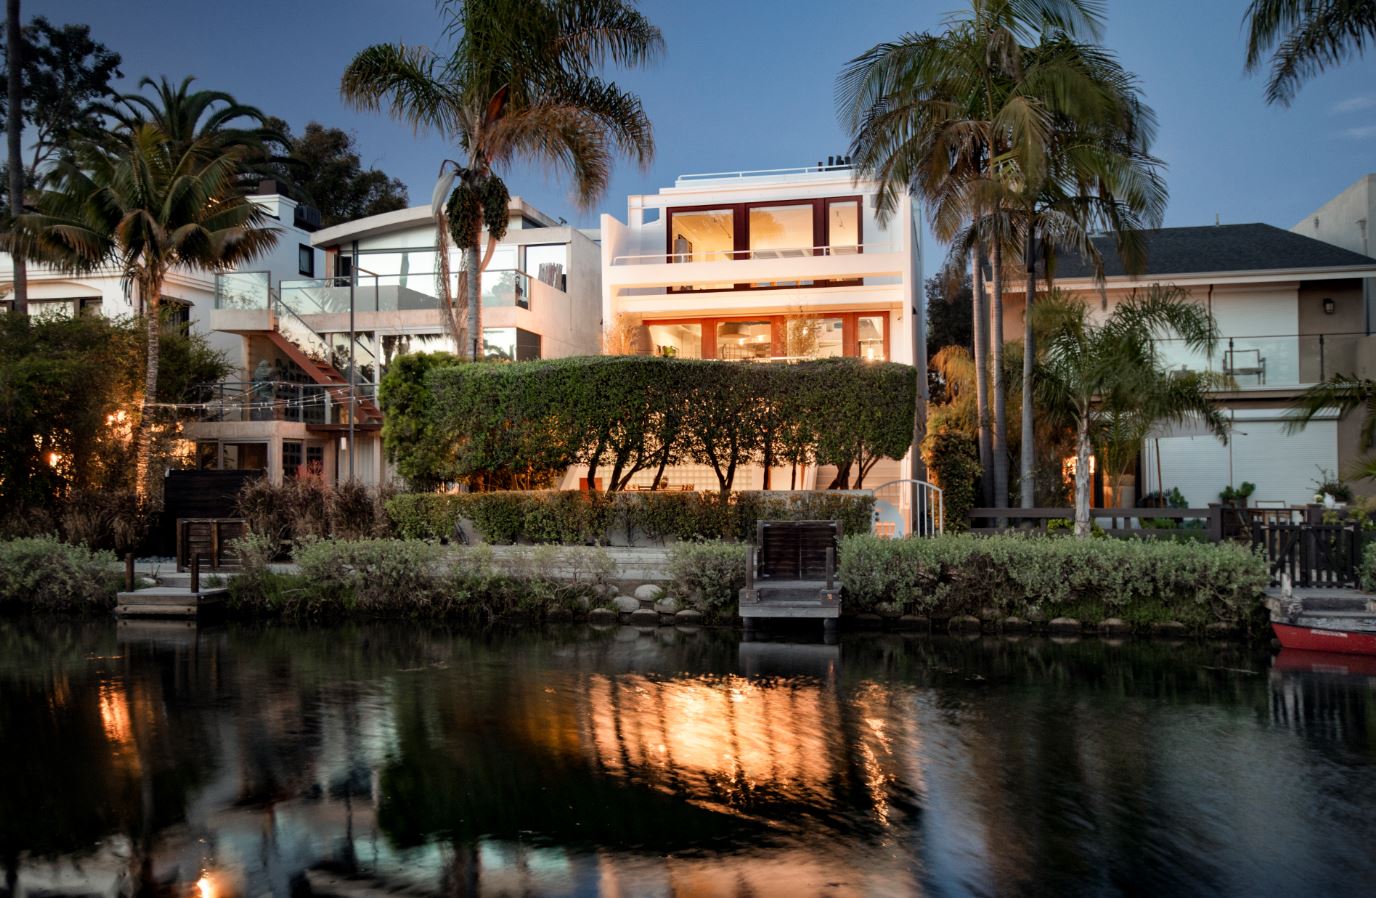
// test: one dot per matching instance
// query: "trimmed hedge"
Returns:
(513, 424)
(575, 518)
(1140, 580)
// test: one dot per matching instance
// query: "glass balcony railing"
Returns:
(1277, 360)
(397, 292)
(243, 290)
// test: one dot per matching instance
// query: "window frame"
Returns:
(850, 329)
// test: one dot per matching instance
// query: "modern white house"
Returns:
(315, 345)
(768, 266)
(188, 295)
(1291, 313)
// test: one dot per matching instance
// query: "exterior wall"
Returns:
(1346, 220)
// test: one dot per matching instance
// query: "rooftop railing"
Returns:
(762, 173)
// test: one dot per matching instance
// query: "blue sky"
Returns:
(748, 84)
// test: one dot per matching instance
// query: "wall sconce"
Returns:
(1329, 306)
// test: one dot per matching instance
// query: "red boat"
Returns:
(1300, 661)
(1325, 639)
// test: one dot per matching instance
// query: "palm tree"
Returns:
(1092, 373)
(954, 116)
(210, 121)
(14, 123)
(145, 204)
(521, 82)
(1098, 176)
(1307, 36)
(1341, 392)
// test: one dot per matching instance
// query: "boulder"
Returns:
(625, 604)
(648, 593)
(914, 622)
(1014, 625)
(869, 621)
(989, 614)
(1171, 628)
(558, 615)
(1220, 630)
(667, 605)
(963, 623)
(602, 616)
(1065, 626)
(688, 617)
(1036, 617)
(1115, 626)
(644, 617)
(888, 611)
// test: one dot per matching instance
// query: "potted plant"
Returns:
(1330, 491)
(1237, 496)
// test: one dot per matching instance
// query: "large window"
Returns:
(826, 335)
(682, 341)
(781, 232)
(548, 262)
(702, 235)
(744, 340)
(768, 230)
(511, 344)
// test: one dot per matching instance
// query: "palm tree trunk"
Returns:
(1027, 455)
(980, 325)
(150, 292)
(475, 301)
(999, 443)
(1082, 476)
(14, 123)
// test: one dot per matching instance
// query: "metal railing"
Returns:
(280, 400)
(397, 292)
(763, 173)
(243, 290)
(776, 253)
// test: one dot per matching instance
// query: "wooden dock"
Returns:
(791, 573)
(170, 601)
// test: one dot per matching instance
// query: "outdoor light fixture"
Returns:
(1329, 306)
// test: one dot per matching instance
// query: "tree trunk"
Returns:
(1027, 455)
(980, 324)
(14, 124)
(768, 460)
(473, 275)
(1082, 476)
(999, 443)
(150, 293)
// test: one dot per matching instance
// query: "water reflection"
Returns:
(358, 762)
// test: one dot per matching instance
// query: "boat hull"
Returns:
(1322, 639)
(1300, 661)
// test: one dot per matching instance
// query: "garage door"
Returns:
(1283, 466)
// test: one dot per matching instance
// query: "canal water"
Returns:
(403, 760)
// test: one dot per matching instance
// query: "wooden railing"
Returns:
(1312, 554)
(210, 539)
(1114, 521)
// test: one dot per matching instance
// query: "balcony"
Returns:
(235, 402)
(1278, 361)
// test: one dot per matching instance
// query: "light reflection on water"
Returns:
(398, 760)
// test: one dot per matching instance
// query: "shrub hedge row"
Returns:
(380, 578)
(514, 424)
(574, 518)
(42, 573)
(1139, 580)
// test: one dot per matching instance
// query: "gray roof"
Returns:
(1210, 248)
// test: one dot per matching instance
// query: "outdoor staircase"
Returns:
(325, 374)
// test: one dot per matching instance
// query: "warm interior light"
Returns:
(1070, 463)
(204, 887)
(54, 459)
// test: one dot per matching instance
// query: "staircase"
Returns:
(369, 416)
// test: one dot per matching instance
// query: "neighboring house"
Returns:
(315, 346)
(1346, 221)
(763, 265)
(1291, 313)
(189, 297)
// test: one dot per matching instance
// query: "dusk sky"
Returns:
(747, 85)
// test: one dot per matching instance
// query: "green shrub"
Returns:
(1366, 575)
(574, 518)
(425, 515)
(953, 465)
(1140, 580)
(369, 575)
(708, 576)
(42, 573)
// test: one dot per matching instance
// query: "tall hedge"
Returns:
(622, 415)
